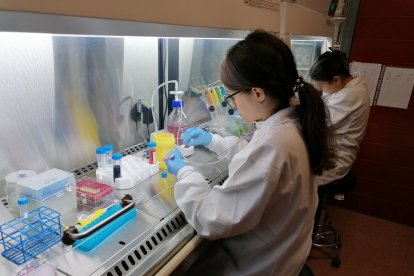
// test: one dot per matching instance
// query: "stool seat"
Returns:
(340, 186)
(324, 235)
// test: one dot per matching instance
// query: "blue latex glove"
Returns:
(175, 161)
(196, 137)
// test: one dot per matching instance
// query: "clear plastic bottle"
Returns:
(11, 189)
(177, 121)
(116, 165)
(23, 207)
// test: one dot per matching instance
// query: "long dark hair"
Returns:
(330, 64)
(262, 60)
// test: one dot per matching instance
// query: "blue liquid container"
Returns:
(116, 165)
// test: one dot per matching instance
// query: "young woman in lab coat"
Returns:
(347, 100)
(263, 213)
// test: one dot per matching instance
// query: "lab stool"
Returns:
(324, 235)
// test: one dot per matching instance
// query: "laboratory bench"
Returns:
(157, 240)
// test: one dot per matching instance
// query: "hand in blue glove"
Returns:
(175, 161)
(196, 137)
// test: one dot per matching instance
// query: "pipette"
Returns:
(169, 156)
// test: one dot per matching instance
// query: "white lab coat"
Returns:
(349, 112)
(264, 211)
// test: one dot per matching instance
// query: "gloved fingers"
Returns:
(190, 142)
(175, 162)
(196, 137)
(169, 163)
(170, 166)
(169, 155)
(188, 135)
(174, 153)
(177, 153)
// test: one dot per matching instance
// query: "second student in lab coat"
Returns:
(347, 100)
(263, 213)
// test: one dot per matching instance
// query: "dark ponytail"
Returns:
(262, 60)
(316, 131)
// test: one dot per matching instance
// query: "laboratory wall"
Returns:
(302, 16)
(307, 17)
(384, 34)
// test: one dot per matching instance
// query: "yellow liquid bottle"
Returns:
(165, 142)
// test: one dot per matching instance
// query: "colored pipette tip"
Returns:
(168, 157)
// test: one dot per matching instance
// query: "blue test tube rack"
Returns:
(25, 238)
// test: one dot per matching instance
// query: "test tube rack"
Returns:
(133, 167)
(25, 238)
(213, 96)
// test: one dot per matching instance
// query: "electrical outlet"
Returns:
(134, 114)
(146, 115)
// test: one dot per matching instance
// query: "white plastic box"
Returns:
(53, 188)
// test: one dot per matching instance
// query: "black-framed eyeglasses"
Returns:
(229, 98)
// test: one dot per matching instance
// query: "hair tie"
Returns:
(299, 84)
(295, 100)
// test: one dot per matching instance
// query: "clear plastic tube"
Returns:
(101, 158)
(23, 207)
(214, 96)
(219, 94)
(109, 150)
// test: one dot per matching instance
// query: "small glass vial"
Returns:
(24, 211)
(101, 158)
(109, 150)
(116, 165)
(152, 152)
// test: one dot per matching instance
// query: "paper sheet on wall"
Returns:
(397, 85)
(370, 72)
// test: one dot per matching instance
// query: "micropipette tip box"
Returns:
(91, 192)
